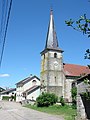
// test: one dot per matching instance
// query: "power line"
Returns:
(3, 20)
(4, 38)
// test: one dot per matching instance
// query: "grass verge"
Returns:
(65, 111)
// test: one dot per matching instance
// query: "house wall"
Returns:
(30, 84)
(34, 94)
(81, 87)
(21, 88)
(9, 95)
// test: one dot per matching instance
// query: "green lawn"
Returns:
(66, 111)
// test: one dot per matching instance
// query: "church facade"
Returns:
(55, 75)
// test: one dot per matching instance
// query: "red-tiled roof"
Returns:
(75, 70)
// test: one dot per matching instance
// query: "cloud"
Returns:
(4, 75)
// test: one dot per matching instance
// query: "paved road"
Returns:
(14, 111)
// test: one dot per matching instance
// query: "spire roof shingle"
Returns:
(51, 40)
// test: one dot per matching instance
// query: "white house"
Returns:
(8, 93)
(29, 88)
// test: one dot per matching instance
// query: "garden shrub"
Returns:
(74, 94)
(62, 101)
(13, 97)
(9, 97)
(46, 99)
(5, 98)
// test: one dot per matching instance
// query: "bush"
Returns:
(74, 94)
(13, 97)
(62, 101)
(74, 106)
(46, 99)
(9, 97)
(5, 98)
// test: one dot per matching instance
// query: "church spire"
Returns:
(51, 41)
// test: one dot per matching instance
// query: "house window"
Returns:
(44, 56)
(55, 55)
(73, 85)
(34, 82)
(7, 93)
(55, 79)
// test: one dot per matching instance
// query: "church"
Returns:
(55, 75)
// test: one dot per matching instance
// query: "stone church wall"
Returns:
(68, 87)
(55, 89)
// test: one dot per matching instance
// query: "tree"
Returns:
(81, 25)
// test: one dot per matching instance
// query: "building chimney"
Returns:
(30, 75)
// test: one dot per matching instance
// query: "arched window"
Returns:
(55, 79)
(34, 82)
(55, 55)
(44, 56)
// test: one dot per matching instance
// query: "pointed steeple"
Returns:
(51, 40)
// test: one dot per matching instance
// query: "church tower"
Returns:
(52, 76)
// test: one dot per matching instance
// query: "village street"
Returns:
(14, 111)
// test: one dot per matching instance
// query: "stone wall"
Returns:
(81, 88)
(52, 75)
(55, 89)
(80, 109)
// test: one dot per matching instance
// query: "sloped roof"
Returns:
(82, 78)
(2, 89)
(8, 90)
(51, 41)
(33, 88)
(75, 70)
(27, 80)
